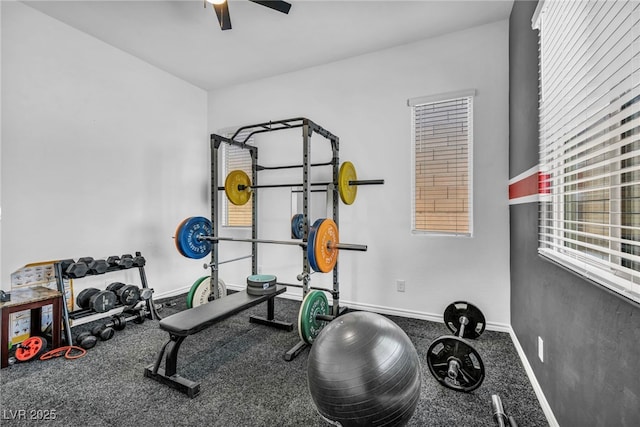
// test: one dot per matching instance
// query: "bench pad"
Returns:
(193, 320)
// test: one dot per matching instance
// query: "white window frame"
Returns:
(569, 117)
(226, 205)
(434, 99)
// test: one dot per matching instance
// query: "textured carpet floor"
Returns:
(244, 380)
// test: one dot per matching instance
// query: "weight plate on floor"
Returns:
(297, 226)
(187, 240)
(322, 258)
(30, 348)
(201, 290)
(448, 350)
(476, 322)
(235, 179)
(261, 281)
(315, 302)
(347, 191)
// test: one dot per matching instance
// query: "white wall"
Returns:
(363, 101)
(102, 154)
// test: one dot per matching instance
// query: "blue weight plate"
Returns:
(187, 237)
(297, 231)
(311, 245)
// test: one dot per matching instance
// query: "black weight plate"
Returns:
(128, 294)
(103, 301)
(251, 290)
(448, 349)
(119, 322)
(84, 296)
(475, 318)
(261, 280)
(113, 287)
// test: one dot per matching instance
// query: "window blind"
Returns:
(589, 221)
(442, 136)
(235, 158)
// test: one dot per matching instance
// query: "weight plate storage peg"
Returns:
(309, 326)
(187, 234)
(30, 348)
(464, 316)
(200, 291)
(320, 251)
(236, 187)
(455, 364)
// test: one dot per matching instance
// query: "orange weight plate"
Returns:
(325, 235)
(235, 180)
(347, 191)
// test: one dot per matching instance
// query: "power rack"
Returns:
(308, 128)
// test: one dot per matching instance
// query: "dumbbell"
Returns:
(453, 361)
(119, 321)
(126, 261)
(103, 332)
(85, 340)
(95, 266)
(96, 300)
(127, 294)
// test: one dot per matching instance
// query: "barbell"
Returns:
(238, 187)
(453, 362)
(193, 240)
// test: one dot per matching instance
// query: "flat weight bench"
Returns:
(194, 320)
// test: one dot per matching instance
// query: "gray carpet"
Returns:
(244, 380)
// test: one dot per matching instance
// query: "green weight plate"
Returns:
(201, 290)
(308, 326)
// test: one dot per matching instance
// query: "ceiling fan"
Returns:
(221, 8)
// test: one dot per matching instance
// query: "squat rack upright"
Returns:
(308, 129)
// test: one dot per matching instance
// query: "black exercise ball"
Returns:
(363, 370)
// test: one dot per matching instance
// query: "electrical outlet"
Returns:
(400, 285)
(541, 349)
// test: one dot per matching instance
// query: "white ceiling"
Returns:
(184, 39)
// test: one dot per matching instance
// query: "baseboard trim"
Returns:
(544, 404)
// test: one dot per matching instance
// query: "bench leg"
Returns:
(269, 320)
(168, 375)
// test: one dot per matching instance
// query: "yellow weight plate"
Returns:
(347, 192)
(235, 179)
(326, 235)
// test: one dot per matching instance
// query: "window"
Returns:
(589, 220)
(442, 133)
(234, 158)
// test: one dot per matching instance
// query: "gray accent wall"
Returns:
(591, 370)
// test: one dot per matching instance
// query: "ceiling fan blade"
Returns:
(280, 6)
(222, 11)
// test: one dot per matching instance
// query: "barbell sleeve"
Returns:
(348, 246)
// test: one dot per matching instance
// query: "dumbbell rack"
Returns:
(308, 129)
(78, 314)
